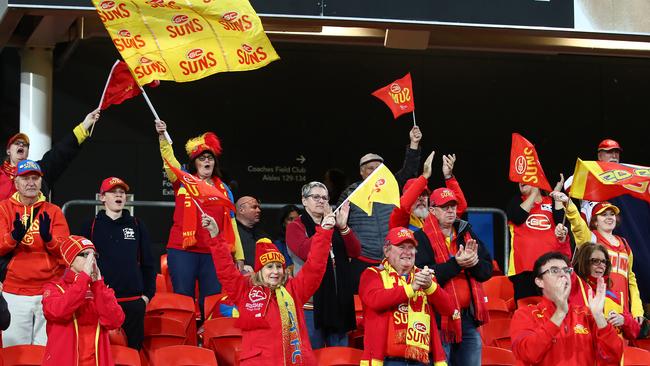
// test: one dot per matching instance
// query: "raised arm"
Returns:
(579, 227)
(309, 278)
(231, 279)
(166, 150)
(411, 158)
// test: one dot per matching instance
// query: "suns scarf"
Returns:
(291, 345)
(451, 326)
(9, 169)
(189, 219)
(416, 332)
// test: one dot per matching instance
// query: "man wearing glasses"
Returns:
(557, 333)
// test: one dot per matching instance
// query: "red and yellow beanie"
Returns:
(73, 245)
(206, 142)
(266, 252)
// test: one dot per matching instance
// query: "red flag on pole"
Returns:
(200, 190)
(398, 96)
(120, 85)
(525, 166)
(600, 181)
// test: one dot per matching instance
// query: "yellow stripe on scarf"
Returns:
(291, 345)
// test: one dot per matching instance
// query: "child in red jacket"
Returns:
(80, 310)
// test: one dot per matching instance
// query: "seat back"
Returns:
(125, 356)
(633, 356)
(118, 337)
(224, 339)
(178, 307)
(494, 356)
(161, 332)
(184, 356)
(22, 355)
(498, 308)
(338, 356)
(496, 333)
(499, 286)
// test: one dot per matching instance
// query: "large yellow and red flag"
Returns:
(185, 40)
(525, 166)
(600, 181)
(398, 96)
(380, 186)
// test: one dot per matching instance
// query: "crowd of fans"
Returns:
(418, 269)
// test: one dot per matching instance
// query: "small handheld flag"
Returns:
(380, 186)
(525, 166)
(601, 181)
(398, 96)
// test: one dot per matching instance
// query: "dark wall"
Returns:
(316, 102)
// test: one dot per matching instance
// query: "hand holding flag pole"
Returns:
(153, 110)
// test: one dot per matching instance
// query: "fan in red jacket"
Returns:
(80, 310)
(398, 304)
(270, 304)
(558, 333)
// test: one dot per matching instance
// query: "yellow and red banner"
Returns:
(525, 166)
(200, 190)
(600, 181)
(398, 96)
(185, 40)
(380, 186)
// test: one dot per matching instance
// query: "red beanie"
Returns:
(73, 245)
(267, 252)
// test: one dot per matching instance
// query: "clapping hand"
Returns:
(467, 256)
(19, 231)
(448, 162)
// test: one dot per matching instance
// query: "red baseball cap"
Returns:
(112, 182)
(18, 136)
(609, 144)
(602, 207)
(398, 235)
(442, 196)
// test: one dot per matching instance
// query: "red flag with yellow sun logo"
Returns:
(525, 167)
(398, 96)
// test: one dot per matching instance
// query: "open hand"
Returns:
(448, 162)
(426, 169)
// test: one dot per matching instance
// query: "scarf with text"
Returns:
(291, 344)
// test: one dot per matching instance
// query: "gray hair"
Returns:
(306, 189)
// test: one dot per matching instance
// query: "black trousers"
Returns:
(134, 322)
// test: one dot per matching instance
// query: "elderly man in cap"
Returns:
(31, 231)
(399, 300)
(461, 263)
(126, 259)
(53, 163)
(371, 230)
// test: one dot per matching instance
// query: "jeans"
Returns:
(468, 351)
(390, 361)
(185, 268)
(320, 338)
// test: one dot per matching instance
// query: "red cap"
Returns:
(267, 252)
(398, 235)
(602, 207)
(112, 182)
(442, 196)
(73, 245)
(609, 144)
(17, 136)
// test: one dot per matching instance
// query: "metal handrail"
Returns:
(277, 206)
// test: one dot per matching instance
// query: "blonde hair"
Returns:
(257, 280)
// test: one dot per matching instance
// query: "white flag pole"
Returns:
(414, 124)
(101, 100)
(153, 110)
(358, 187)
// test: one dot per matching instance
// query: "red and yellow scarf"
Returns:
(451, 326)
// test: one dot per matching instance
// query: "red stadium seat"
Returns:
(496, 333)
(338, 356)
(118, 337)
(161, 284)
(23, 355)
(224, 339)
(494, 356)
(125, 356)
(178, 307)
(498, 308)
(161, 332)
(633, 356)
(499, 287)
(183, 356)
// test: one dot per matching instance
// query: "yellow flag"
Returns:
(185, 40)
(380, 186)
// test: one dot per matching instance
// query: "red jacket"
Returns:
(262, 335)
(34, 263)
(75, 307)
(402, 214)
(379, 306)
(537, 341)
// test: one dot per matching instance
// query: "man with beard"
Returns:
(248, 216)
(414, 203)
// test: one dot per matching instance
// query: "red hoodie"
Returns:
(34, 262)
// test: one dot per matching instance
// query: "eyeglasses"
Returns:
(21, 143)
(597, 261)
(85, 254)
(447, 208)
(205, 157)
(318, 197)
(556, 271)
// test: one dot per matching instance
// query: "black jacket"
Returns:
(5, 316)
(482, 271)
(125, 259)
(57, 159)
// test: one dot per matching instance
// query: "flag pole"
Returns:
(153, 110)
(356, 189)
(197, 205)
(414, 124)
(101, 100)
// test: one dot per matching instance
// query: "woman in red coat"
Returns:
(80, 310)
(269, 302)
